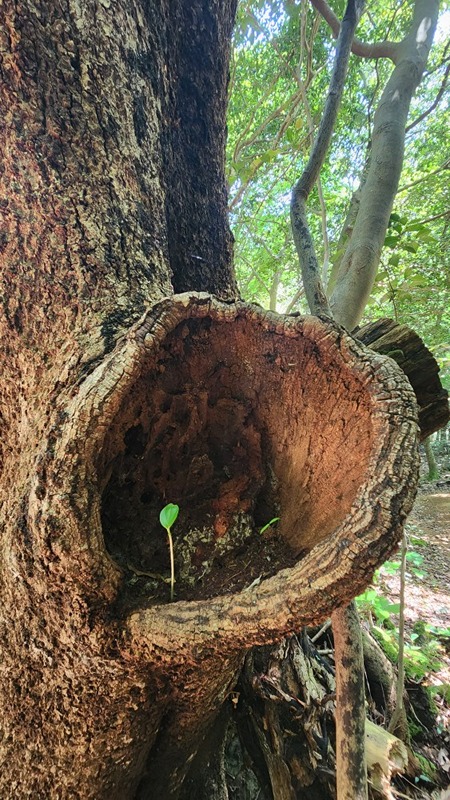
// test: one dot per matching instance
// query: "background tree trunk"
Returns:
(115, 401)
(359, 265)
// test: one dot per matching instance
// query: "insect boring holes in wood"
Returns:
(238, 425)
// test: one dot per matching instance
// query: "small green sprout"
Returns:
(269, 524)
(167, 517)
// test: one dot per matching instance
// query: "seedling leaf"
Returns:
(169, 515)
(269, 524)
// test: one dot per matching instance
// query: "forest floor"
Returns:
(427, 603)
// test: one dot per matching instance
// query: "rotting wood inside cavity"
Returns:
(237, 425)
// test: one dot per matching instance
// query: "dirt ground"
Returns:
(431, 594)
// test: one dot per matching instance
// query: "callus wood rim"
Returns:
(339, 425)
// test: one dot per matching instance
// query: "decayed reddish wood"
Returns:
(320, 382)
(407, 348)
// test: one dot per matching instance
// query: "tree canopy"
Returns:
(282, 59)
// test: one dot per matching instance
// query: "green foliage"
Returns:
(281, 67)
(441, 633)
(441, 689)
(415, 729)
(423, 650)
(379, 606)
(419, 659)
(428, 770)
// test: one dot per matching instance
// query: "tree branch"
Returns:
(436, 216)
(303, 90)
(315, 294)
(294, 301)
(434, 104)
(360, 263)
(424, 178)
(364, 49)
(398, 724)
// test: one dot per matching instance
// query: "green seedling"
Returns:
(167, 518)
(269, 524)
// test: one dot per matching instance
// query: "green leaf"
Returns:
(411, 247)
(291, 136)
(426, 236)
(441, 632)
(391, 241)
(416, 226)
(169, 515)
(417, 542)
(385, 605)
(367, 597)
(415, 558)
(269, 524)
(394, 259)
(269, 156)
(391, 567)
(394, 218)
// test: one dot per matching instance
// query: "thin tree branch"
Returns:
(273, 294)
(254, 274)
(315, 294)
(443, 61)
(436, 216)
(263, 243)
(242, 142)
(424, 178)
(398, 722)
(294, 301)
(323, 209)
(364, 49)
(434, 104)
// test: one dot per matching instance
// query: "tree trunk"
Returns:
(351, 770)
(433, 471)
(112, 189)
(358, 267)
(116, 401)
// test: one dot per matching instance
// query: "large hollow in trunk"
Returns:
(239, 417)
(238, 425)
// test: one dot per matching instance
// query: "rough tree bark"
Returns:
(351, 769)
(407, 348)
(115, 400)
